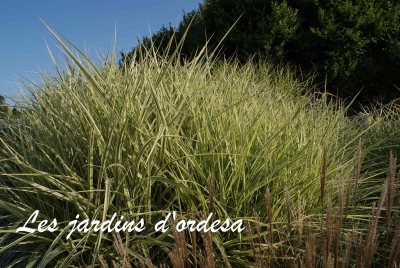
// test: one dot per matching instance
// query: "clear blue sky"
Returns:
(87, 23)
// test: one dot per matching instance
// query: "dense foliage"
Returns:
(3, 106)
(355, 45)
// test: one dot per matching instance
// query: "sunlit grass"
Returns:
(241, 142)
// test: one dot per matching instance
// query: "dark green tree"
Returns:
(166, 39)
(355, 44)
(265, 28)
(4, 109)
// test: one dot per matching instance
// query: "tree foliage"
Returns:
(355, 44)
(166, 39)
(3, 106)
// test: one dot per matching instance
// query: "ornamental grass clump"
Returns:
(202, 137)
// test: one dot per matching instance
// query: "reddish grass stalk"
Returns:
(329, 262)
(180, 251)
(359, 246)
(148, 263)
(209, 251)
(310, 251)
(269, 212)
(264, 262)
(395, 248)
(226, 261)
(299, 219)
(338, 223)
(121, 250)
(329, 224)
(370, 243)
(287, 200)
(176, 259)
(102, 262)
(390, 186)
(251, 242)
(323, 173)
(194, 244)
(348, 195)
(258, 229)
(201, 259)
(347, 254)
(358, 166)
(289, 227)
(211, 190)
(299, 223)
